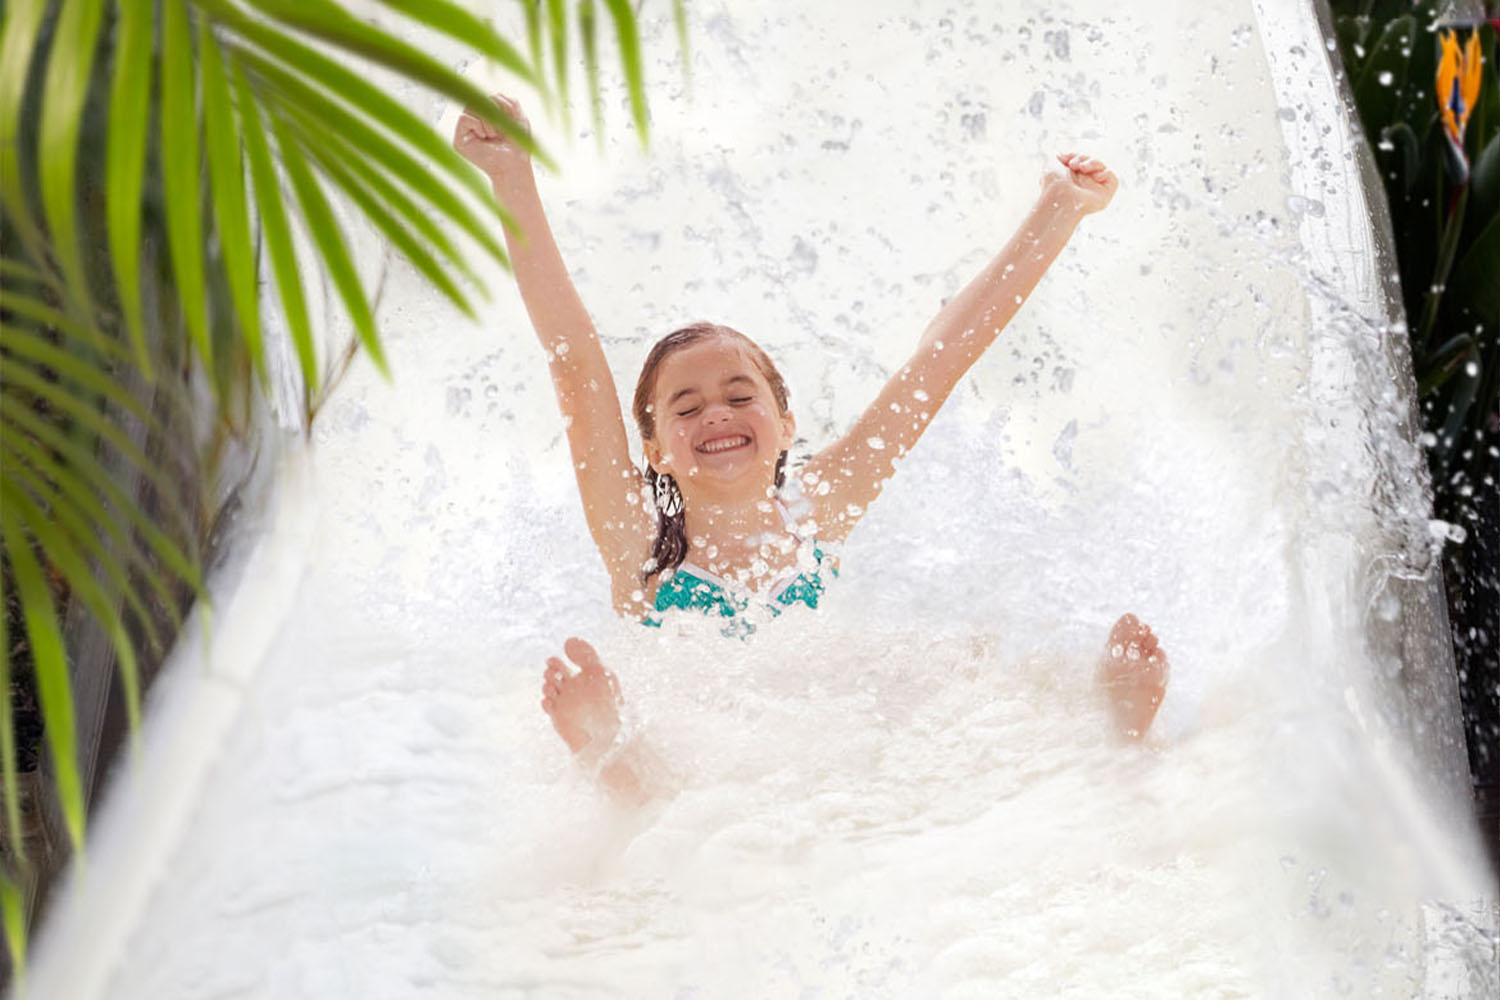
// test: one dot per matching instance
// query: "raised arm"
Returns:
(607, 479)
(856, 469)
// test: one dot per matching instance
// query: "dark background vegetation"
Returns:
(1447, 232)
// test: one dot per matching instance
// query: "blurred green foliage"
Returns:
(176, 176)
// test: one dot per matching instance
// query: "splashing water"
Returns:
(909, 792)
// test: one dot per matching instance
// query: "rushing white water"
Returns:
(908, 793)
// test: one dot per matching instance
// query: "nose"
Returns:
(715, 413)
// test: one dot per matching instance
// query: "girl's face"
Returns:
(718, 428)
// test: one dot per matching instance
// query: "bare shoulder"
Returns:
(817, 497)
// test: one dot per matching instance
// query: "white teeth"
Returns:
(723, 445)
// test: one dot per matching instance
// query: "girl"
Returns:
(705, 526)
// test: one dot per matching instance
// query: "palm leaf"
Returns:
(331, 23)
(680, 17)
(588, 38)
(23, 22)
(463, 26)
(226, 168)
(278, 235)
(402, 238)
(294, 98)
(629, 40)
(330, 241)
(37, 349)
(125, 169)
(179, 153)
(90, 418)
(50, 666)
(63, 92)
(317, 74)
(82, 410)
(390, 196)
(198, 93)
(90, 526)
(83, 476)
(8, 763)
(32, 308)
(557, 25)
(60, 552)
(13, 912)
(20, 270)
(351, 158)
(534, 41)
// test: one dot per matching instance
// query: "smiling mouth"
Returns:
(722, 444)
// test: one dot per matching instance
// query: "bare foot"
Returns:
(584, 706)
(1133, 672)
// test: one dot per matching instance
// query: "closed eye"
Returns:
(687, 412)
(740, 400)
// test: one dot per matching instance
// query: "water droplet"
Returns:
(1386, 78)
(876, 443)
(1444, 531)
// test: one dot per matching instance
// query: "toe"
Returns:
(1125, 630)
(582, 654)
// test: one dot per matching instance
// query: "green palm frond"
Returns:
(13, 912)
(8, 765)
(18, 43)
(627, 35)
(125, 169)
(63, 91)
(171, 174)
(588, 40)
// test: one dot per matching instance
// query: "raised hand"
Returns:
(1087, 186)
(485, 146)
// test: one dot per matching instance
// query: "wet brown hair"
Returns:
(670, 546)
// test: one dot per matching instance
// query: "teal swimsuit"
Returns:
(692, 588)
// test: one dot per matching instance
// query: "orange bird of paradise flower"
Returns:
(1457, 93)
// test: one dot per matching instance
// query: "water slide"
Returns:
(1203, 416)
